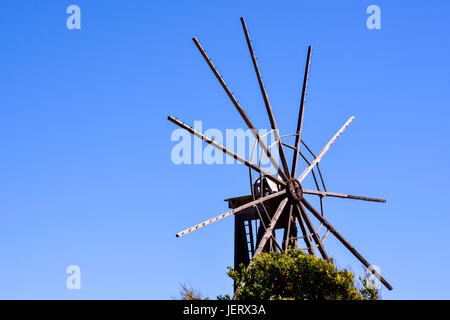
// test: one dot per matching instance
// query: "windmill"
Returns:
(277, 199)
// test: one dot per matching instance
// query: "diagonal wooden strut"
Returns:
(271, 227)
(234, 211)
(312, 231)
(324, 150)
(298, 137)
(266, 99)
(343, 241)
(342, 195)
(306, 238)
(240, 110)
(226, 151)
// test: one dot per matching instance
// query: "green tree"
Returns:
(295, 275)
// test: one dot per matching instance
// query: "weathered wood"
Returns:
(225, 150)
(240, 109)
(234, 211)
(324, 150)
(298, 137)
(271, 227)
(342, 195)
(266, 99)
(343, 241)
(312, 231)
(304, 231)
(317, 165)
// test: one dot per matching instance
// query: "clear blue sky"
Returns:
(85, 169)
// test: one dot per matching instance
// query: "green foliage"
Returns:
(295, 275)
(189, 293)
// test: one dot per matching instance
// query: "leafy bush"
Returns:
(295, 275)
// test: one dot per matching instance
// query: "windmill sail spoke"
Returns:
(304, 231)
(271, 227)
(265, 98)
(234, 211)
(342, 195)
(344, 242)
(298, 137)
(226, 151)
(312, 231)
(240, 110)
(324, 150)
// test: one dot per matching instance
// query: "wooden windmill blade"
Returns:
(234, 211)
(277, 202)
(324, 150)
(271, 227)
(342, 195)
(344, 242)
(298, 137)
(239, 109)
(273, 123)
(308, 223)
(225, 150)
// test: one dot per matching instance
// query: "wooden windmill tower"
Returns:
(277, 199)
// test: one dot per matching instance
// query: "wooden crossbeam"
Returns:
(344, 242)
(324, 150)
(225, 150)
(228, 213)
(342, 195)
(240, 109)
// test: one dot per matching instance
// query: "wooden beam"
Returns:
(324, 150)
(313, 231)
(234, 211)
(240, 109)
(225, 150)
(265, 98)
(271, 227)
(298, 137)
(342, 195)
(344, 242)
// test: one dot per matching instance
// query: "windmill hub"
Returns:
(295, 190)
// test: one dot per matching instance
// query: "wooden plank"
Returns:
(234, 211)
(343, 241)
(342, 195)
(225, 150)
(298, 137)
(265, 98)
(324, 150)
(271, 227)
(312, 231)
(240, 109)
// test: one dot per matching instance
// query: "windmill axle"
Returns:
(295, 191)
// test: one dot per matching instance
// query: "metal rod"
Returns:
(265, 98)
(225, 150)
(240, 109)
(300, 115)
(344, 242)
